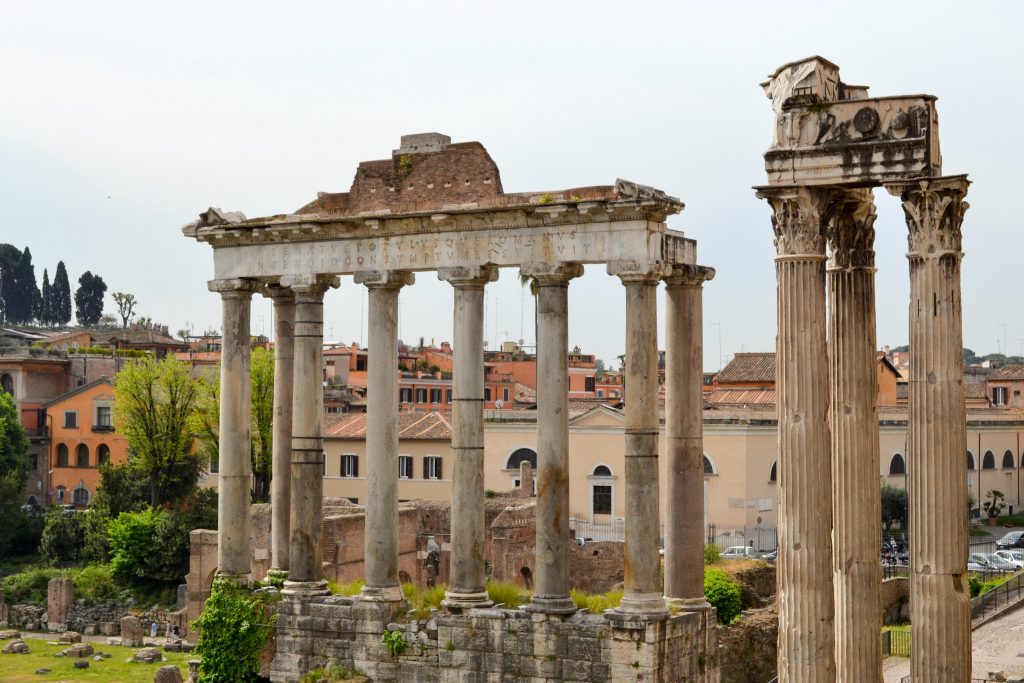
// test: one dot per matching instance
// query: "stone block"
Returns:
(148, 655)
(81, 663)
(131, 631)
(70, 637)
(8, 635)
(90, 629)
(167, 674)
(109, 628)
(79, 650)
(60, 595)
(15, 647)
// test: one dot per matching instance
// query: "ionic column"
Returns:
(381, 534)
(684, 448)
(307, 451)
(806, 645)
(856, 497)
(235, 475)
(467, 583)
(551, 571)
(280, 482)
(940, 608)
(642, 595)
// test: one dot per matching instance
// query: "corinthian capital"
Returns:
(850, 220)
(934, 208)
(797, 219)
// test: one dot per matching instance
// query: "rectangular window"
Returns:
(70, 419)
(432, 467)
(435, 395)
(447, 395)
(405, 395)
(405, 467)
(602, 500)
(600, 393)
(487, 393)
(350, 465)
(589, 384)
(504, 394)
(421, 395)
(104, 418)
(999, 396)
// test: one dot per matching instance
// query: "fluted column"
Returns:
(280, 483)
(684, 447)
(467, 582)
(856, 497)
(381, 533)
(235, 429)
(642, 595)
(806, 645)
(940, 609)
(307, 456)
(551, 571)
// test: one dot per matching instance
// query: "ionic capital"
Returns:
(850, 220)
(934, 208)
(384, 279)
(797, 220)
(233, 288)
(642, 272)
(685, 275)
(309, 288)
(468, 276)
(551, 273)
(278, 293)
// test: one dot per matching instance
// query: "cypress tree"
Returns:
(89, 299)
(61, 302)
(9, 258)
(46, 308)
(24, 305)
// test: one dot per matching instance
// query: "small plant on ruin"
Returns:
(724, 593)
(334, 674)
(423, 600)
(395, 640)
(596, 603)
(404, 165)
(506, 593)
(546, 198)
(348, 590)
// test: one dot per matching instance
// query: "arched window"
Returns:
(1008, 460)
(519, 455)
(60, 494)
(103, 454)
(7, 384)
(602, 471)
(32, 501)
(81, 496)
(773, 476)
(709, 466)
(970, 461)
(62, 455)
(897, 465)
(527, 577)
(989, 461)
(82, 456)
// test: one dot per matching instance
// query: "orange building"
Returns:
(81, 438)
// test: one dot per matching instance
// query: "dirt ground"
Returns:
(996, 646)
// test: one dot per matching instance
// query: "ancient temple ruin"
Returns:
(831, 145)
(438, 206)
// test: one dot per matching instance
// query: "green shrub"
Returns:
(95, 583)
(724, 593)
(712, 554)
(596, 603)
(333, 674)
(233, 631)
(131, 537)
(29, 586)
(506, 593)
(63, 538)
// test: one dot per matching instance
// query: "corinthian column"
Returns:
(235, 467)
(940, 607)
(684, 413)
(280, 482)
(307, 463)
(467, 584)
(856, 499)
(642, 595)
(806, 646)
(551, 571)
(381, 536)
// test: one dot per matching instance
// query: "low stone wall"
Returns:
(492, 644)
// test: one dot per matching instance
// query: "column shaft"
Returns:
(940, 609)
(853, 383)
(280, 483)
(806, 645)
(684, 410)
(467, 583)
(381, 533)
(235, 467)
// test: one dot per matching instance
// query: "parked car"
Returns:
(979, 559)
(739, 552)
(771, 557)
(1014, 539)
(1000, 564)
(1014, 557)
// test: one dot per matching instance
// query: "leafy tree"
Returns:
(130, 536)
(46, 307)
(125, 306)
(168, 562)
(894, 507)
(14, 467)
(60, 304)
(121, 489)
(63, 538)
(89, 299)
(156, 401)
(207, 423)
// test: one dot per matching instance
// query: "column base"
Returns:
(688, 604)
(382, 594)
(305, 588)
(551, 604)
(459, 602)
(641, 605)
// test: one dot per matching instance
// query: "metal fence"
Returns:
(892, 571)
(586, 530)
(907, 679)
(896, 642)
(998, 599)
(765, 537)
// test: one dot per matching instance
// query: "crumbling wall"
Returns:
(747, 647)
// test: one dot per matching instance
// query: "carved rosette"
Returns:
(850, 220)
(797, 219)
(935, 209)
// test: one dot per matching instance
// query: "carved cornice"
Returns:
(233, 288)
(797, 220)
(551, 274)
(934, 208)
(468, 276)
(689, 276)
(850, 219)
(384, 279)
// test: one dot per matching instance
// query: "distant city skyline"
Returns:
(122, 123)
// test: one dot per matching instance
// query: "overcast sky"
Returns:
(120, 122)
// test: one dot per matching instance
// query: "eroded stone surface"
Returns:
(16, 647)
(167, 674)
(79, 650)
(149, 655)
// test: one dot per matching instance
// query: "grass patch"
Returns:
(334, 674)
(21, 668)
(596, 603)
(506, 594)
(350, 589)
(422, 600)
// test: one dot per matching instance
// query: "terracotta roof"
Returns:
(973, 391)
(426, 426)
(1013, 371)
(764, 397)
(144, 338)
(749, 367)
